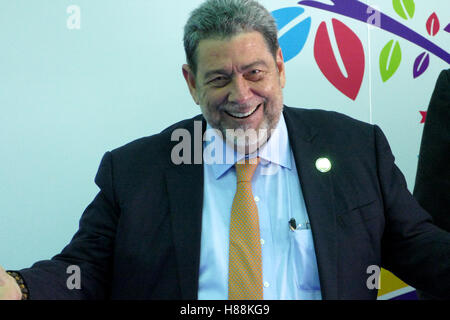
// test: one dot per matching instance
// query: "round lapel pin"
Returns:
(323, 165)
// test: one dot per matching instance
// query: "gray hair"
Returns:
(226, 18)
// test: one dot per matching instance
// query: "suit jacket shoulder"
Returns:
(330, 123)
(153, 145)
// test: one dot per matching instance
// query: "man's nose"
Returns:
(240, 91)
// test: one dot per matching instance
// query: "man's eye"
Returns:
(255, 74)
(219, 81)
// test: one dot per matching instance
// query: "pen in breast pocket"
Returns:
(293, 225)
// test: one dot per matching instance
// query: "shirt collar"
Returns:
(276, 150)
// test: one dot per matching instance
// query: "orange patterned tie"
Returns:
(245, 261)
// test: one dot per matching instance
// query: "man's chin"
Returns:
(246, 141)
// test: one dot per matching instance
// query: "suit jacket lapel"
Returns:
(317, 187)
(185, 190)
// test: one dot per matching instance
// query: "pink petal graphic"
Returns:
(433, 24)
(424, 116)
(352, 53)
(421, 64)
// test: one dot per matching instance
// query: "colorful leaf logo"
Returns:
(404, 8)
(351, 52)
(433, 25)
(293, 40)
(421, 64)
(390, 58)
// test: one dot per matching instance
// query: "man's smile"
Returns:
(240, 115)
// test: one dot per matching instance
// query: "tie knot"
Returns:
(245, 169)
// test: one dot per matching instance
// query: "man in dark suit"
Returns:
(432, 187)
(158, 227)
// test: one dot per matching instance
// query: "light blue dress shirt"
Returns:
(289, 261)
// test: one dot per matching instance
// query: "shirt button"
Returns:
(257, 199)
(262, 241)
(266, 284)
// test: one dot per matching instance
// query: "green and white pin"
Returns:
(323, 165)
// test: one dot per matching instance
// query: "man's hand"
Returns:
(9, 289)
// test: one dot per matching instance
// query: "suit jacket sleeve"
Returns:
(432, 188)
(91, 249)
(413, 248)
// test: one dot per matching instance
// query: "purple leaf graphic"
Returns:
(421, 64)
(447, 28)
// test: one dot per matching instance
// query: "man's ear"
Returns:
(281, 67)
(190, 80)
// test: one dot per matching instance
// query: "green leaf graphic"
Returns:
(401, 5)
(390, 59)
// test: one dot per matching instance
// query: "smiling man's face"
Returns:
(238, 84)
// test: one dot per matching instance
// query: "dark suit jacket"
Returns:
(432, 187)
(140, 237)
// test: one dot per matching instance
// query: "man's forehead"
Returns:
(243, 49)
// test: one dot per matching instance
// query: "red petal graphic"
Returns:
(433, 24)
(352, 53)
(424, 116)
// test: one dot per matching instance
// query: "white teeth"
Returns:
(243, 115)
